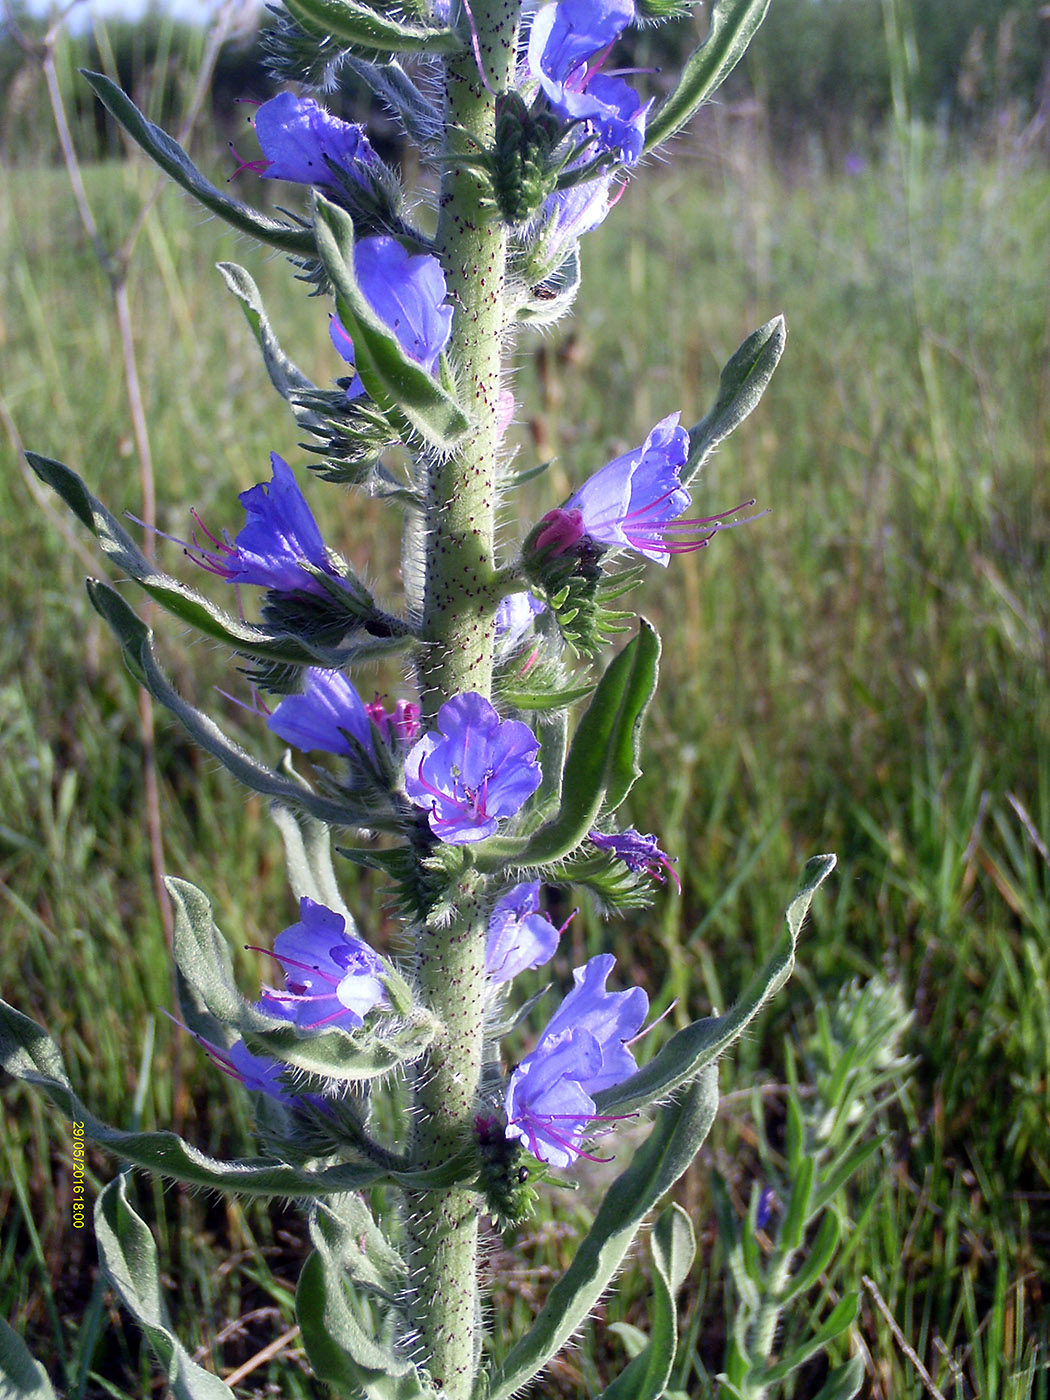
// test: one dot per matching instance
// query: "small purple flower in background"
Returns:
(567, 44)
(767, 1204)
(279, 536)
(853, 164)
(401, 724)
(549, 1102)
(330, 976)
(474, 771)
(328, 709)
(407, 292)
(639, 853)
(514, 617)
(632, 502)
(519, 936)
(301, 142)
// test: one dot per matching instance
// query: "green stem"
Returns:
(458, 630)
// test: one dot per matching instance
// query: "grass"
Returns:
(864, 670)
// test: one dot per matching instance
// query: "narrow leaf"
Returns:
(818, 1257)
(733, 23)
(379, 35)
(21, 1376)
(129, 1258)
(398, 385)
(285, 376)
(701, 1043)
(798, 1213)
(842, 1316)
(308, 858)
(675, 1138)
(740, 386)
(844, 1382)
(174, 161)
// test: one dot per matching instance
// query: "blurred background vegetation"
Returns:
(864, 670)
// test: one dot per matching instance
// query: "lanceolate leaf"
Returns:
(174, 161)
(701, 1043)
(28, 1053)
(673, 1247)
(741, 384)
(185, 603)
(674, 1140)
(21, 1376)
(376, 34)
(399, 385)
(733, 22)
(129, 1258)
(308, 858)
(285, 377)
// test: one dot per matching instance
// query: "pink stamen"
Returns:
(293, 962)
(257, 167)
(530, 662)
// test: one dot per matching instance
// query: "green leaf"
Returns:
(377, 34)
(741, 384)
(21, 1376)
(399, 386)
(733, 23)
(844, 1382)
(28, 1053)
(308, 860)
(602, 762)
(174, 161)
(186, 603)
(797, 1214)
(701, 1043)
(203, 958)
(842, 1317)
(673, 1247)
(285, 377)
(818, 1257)
(129, 1258)
(675, 1138)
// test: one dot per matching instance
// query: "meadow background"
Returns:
(864, 670)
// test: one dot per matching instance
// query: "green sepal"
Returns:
(263, 643)
(732, 25)
(128, 1256)
(174, 161)
(377, 35)
(346, 1329)
(740, 386)
(676, 1136)
(203, 958)
(401, 387)
(136, 641)
(702, 1042)
(602, 763)
(285, 376)
(28, 1053)
(673, 1249)
(21, 1375)
(839, 1320)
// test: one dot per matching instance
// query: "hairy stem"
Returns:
(458, 627)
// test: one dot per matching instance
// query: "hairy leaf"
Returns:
(740, 386)
(366, 29)
(21, 1376)
(285, 377)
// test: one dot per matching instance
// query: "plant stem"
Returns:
(458, 629)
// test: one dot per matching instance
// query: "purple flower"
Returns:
(639, 853)
(330, 976)
(301, 142)
(549, 1102)
(400, 725)
(567, 44)
(328, 710)
(407, 292)
(474, 771)
(514, 618)
(256, 1073)
(568, 214)
(519, 936)
(279, 536)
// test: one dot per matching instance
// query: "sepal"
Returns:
(128, 1257)
(295, 239)
(398, 385)
(732, 25)
(740, 386)
(549, 291)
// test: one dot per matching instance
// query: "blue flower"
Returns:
(407, 292)
(328, 710)
(256, 1073)
(302, 142)
(567, 43)
(474, 771)
(330, 976)
(549, 1102)
(568, 214)
(639, 853)
(514, 617)
(519, 936)
(279, 536)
